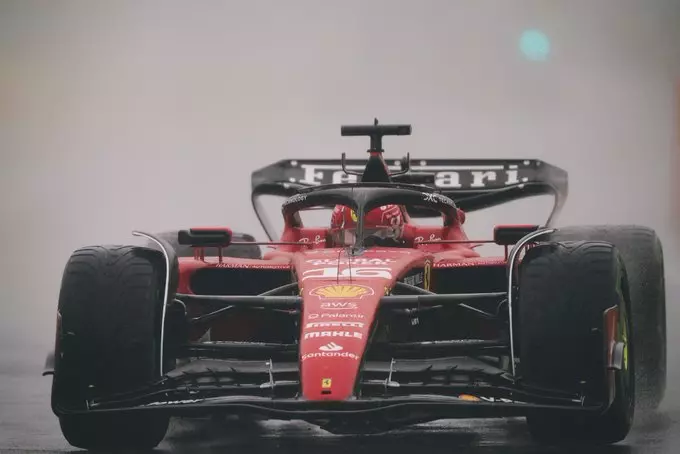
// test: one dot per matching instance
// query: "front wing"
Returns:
(446, 388)
(412, 382)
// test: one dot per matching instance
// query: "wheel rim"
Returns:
(626, 381)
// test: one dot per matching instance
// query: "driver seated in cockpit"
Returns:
(383, 226)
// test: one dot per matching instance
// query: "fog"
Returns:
(148, 115)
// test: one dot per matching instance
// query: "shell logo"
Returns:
(342, 291)
(353, 214)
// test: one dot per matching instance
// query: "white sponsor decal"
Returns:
(331, 347)
(500, 399)
(339, 305)
(482, 261)
(295, 199)
(335, 324)
(335, 315)
(446, 176)
(414, 279)
(317, 240)
(354, 261)
(432, 237)
(434, 197)
(354, 273)
(265, 266)
(232, 342)
(349, 334)
(174, 402)
(330, 355)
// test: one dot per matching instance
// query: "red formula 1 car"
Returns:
(370, 321)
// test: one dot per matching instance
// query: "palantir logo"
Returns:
(330, 347)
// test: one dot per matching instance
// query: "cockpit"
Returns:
(366, 214)
(382, 226)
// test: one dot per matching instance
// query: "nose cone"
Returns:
(336, 326)
(341, 296)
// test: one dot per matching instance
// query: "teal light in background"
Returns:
(535, 45)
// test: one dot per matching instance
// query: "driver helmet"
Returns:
(385, 222)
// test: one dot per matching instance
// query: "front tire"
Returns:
(642, 253)
(107, 342)
(564, 291)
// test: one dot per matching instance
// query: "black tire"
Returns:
(642, 253)
(110, 313)
(249, 251)
(564, 291)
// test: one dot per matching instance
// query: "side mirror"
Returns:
(205, 237)
(506, 235)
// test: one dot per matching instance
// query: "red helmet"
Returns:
(386, 221)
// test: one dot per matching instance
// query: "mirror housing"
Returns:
(205, 237)
(507, 235)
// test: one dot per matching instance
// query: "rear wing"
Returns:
(472, 183)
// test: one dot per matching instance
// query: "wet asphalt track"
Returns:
(27, 425)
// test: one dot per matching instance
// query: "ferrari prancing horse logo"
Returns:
(325, 383)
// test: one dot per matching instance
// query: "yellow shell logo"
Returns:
(342, 291)
(353, 214)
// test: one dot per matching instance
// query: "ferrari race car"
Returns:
(372, 323)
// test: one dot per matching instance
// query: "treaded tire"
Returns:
(564, 291)
(109, 317)
(642, 253)
(248, 251)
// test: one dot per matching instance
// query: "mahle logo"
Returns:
(342, 291)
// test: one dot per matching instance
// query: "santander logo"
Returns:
(331, 347)
(331, 350)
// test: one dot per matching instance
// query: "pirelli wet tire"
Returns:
(564, 291)
(249, 251)
(642, 253)
(109, 314)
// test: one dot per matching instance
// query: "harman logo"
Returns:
(330, 347)
(342, 291)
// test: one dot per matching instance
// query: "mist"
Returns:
(126, 115)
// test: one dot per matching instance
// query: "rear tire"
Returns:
(564, 291)
(642, 253)
(107, 342)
